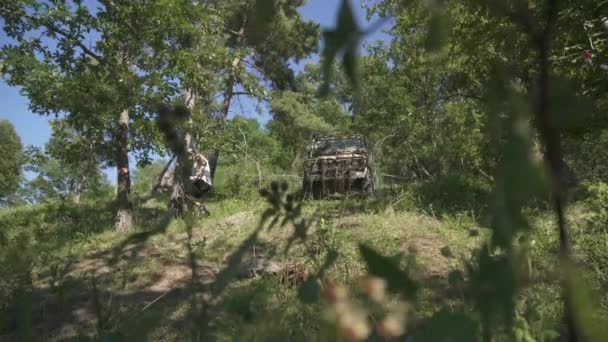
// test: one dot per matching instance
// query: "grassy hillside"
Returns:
(174, 278)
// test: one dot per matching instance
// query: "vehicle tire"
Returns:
(317, 190)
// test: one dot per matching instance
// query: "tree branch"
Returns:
(233, 32)
(376, 25)
(252, 65)
(552, 141)
(77, 42)
(241, 93)
(236, 93)
(459, 95)
(159, 180)
(521, 18)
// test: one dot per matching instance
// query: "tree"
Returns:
(299, 115)
(497, 57)
(109, 90)
(56, 181)
(145, 178)
(12, 160)
(262, 37)
(67, 168)
(474, 44)
(295, 121)
(251, 143)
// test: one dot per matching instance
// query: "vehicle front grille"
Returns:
(337, 168)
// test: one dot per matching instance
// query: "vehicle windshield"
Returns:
(339, 145)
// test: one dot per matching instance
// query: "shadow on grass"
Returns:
(85, 314)
(263, 309)
(259, 309)
(135, 242)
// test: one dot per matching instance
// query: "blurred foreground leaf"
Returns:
(343, 39)
(310, 291)
(438, 32)
(262, 15)
(591, 326)
(386, 268)
(448, 326)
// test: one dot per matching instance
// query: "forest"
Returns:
(487, 122)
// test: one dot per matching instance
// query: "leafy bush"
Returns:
(453, 193)
(588, 155)
(39, 237)
(235, 182)
(598, 204)
(17, 260)
(591, 238)
(242, 181)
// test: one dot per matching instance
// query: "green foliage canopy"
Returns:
(11, 161)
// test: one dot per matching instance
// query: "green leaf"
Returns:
(310, 291)
(344, 39)
(93, 62)
(346, 21)
(519, 181)
(568, 110)
(350, 67)
(587, 321)
(438, 32)
(448, 326)
(386, 268)
(262, 16)
(493, 286)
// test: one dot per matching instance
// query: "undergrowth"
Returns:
(53, 254)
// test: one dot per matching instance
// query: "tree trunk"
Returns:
(228, 94)
(76, 198)
(190, 99)
(229, 90)
(564, 173)
(79, 189)
(159, 179)
(124, 216)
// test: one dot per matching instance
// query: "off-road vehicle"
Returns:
(338, 164)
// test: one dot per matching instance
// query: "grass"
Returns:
(146, 290)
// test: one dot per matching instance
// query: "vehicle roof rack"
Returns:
(337, 136)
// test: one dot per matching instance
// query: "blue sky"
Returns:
(34, 129)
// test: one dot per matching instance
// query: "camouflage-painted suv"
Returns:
(338, 165)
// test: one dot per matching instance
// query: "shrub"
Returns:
(591, 237)
(454, 192)
(17, 260)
